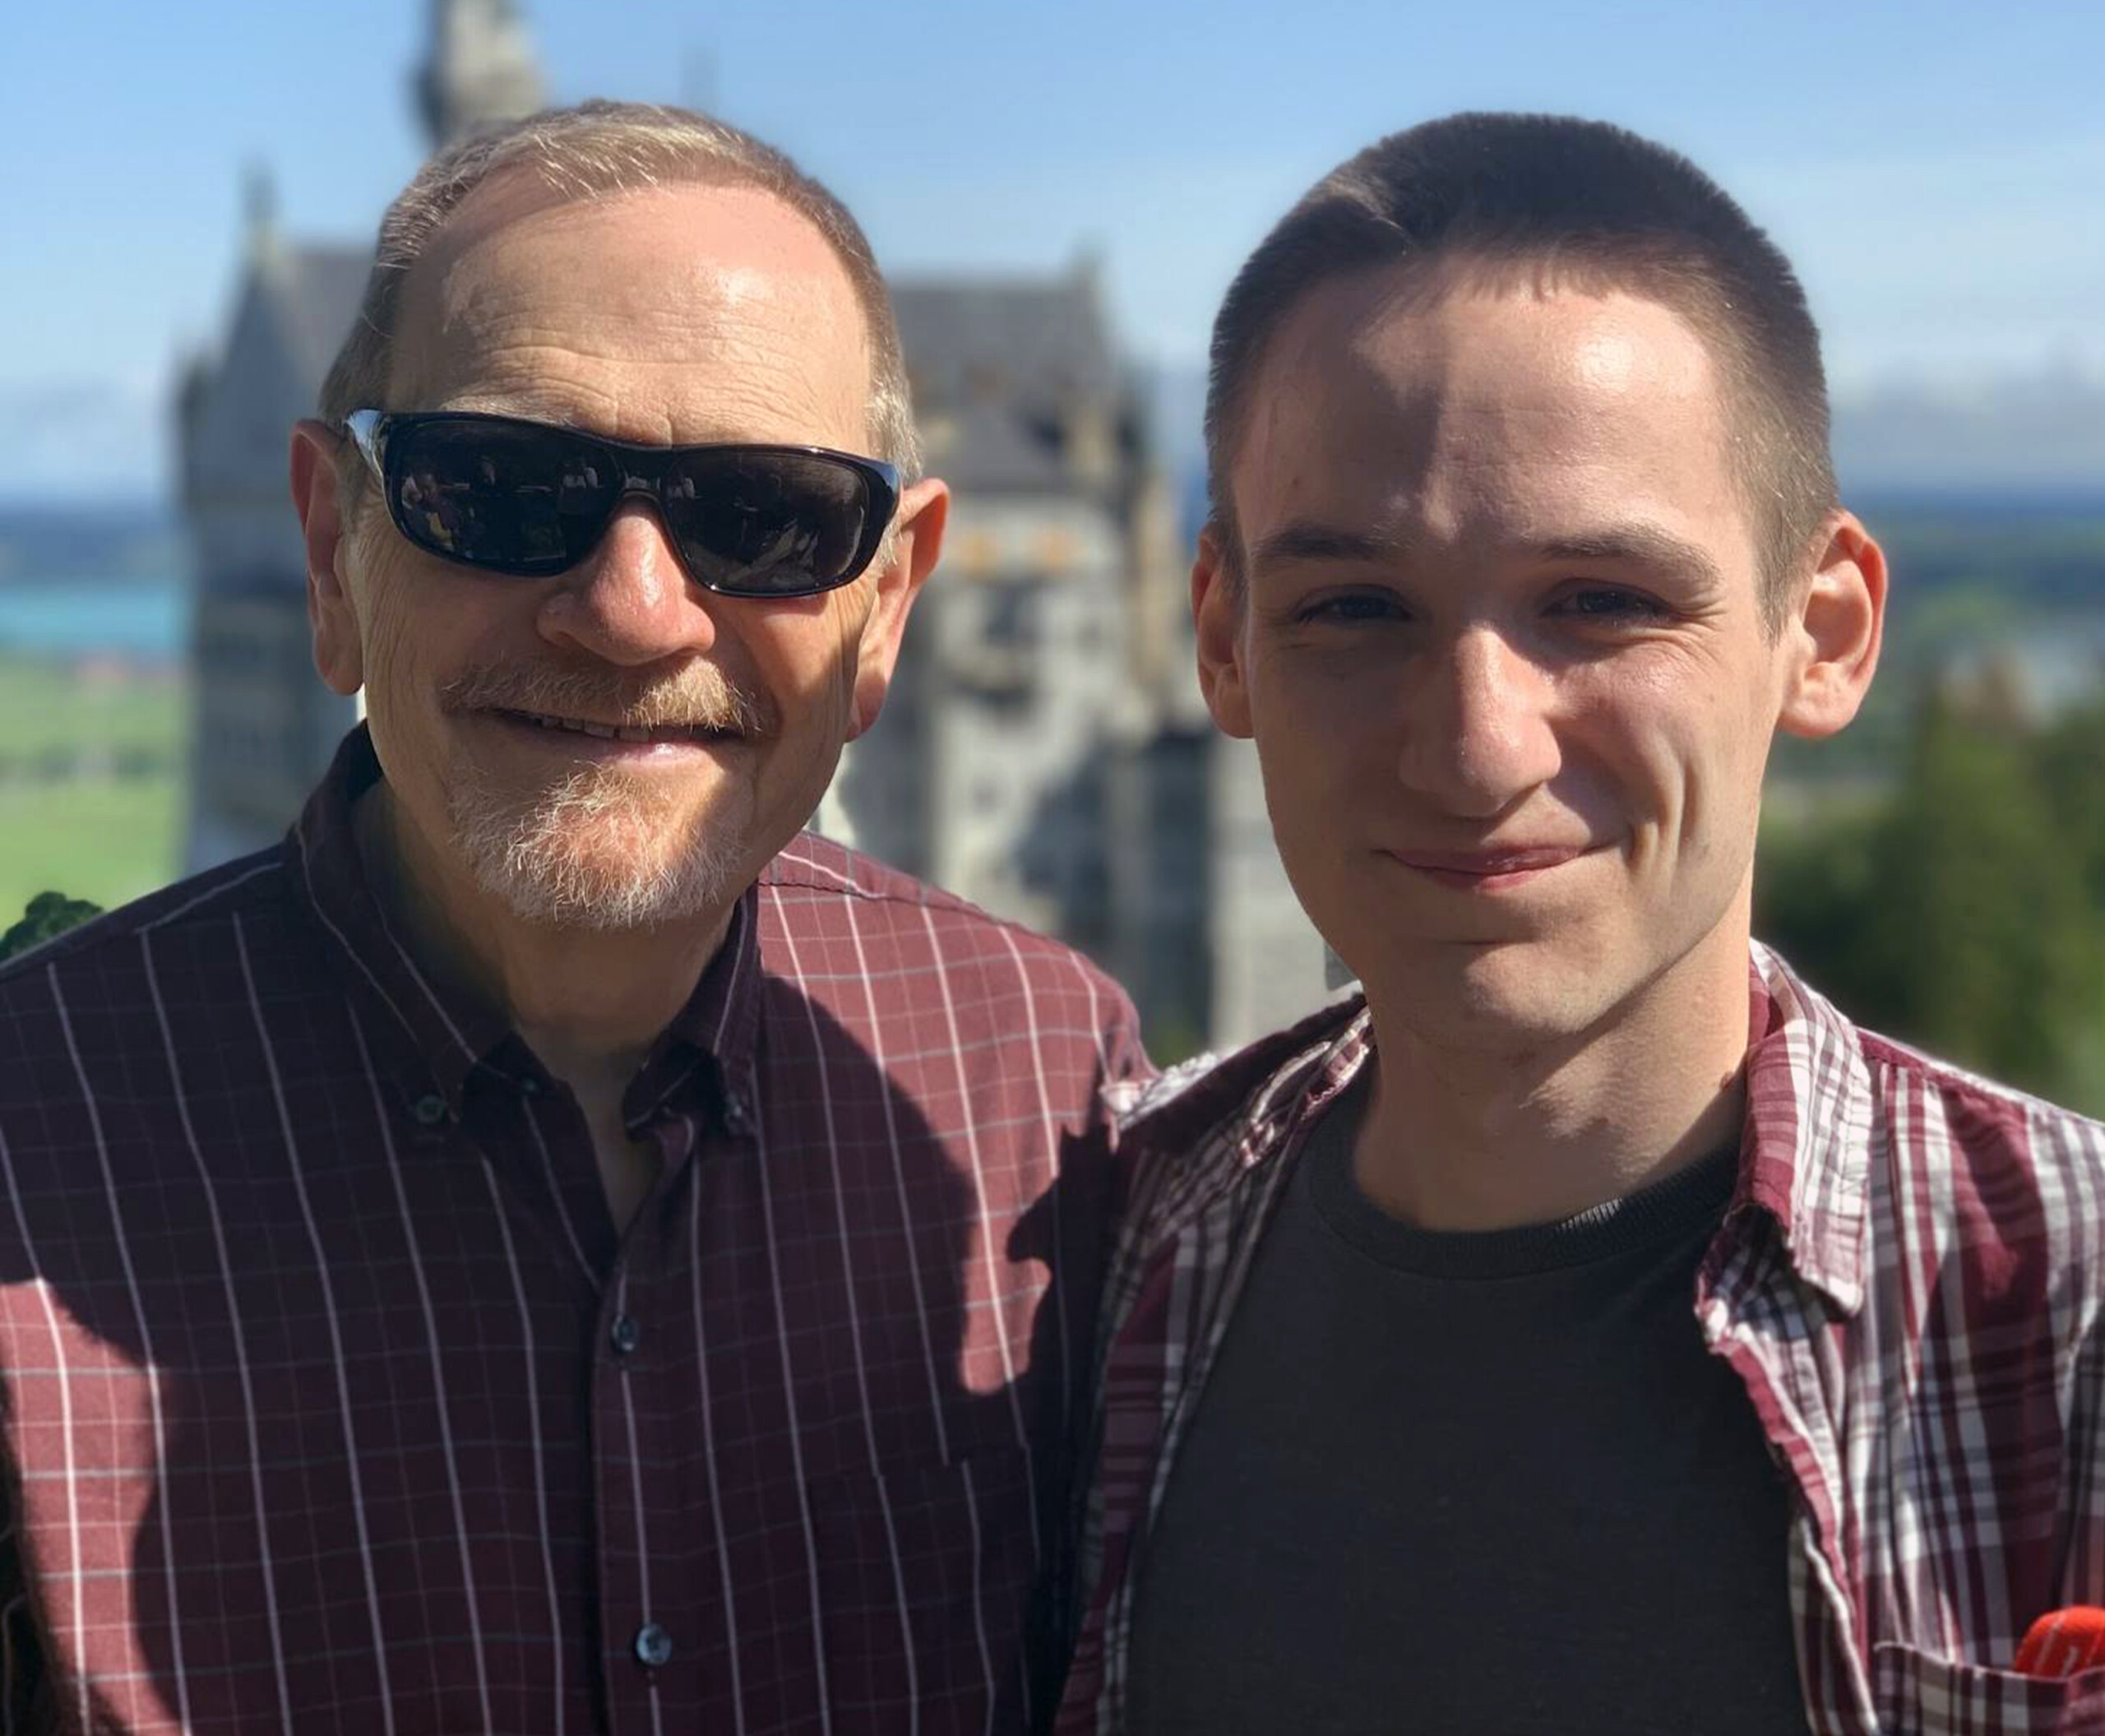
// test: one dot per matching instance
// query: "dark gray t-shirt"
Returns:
(1470, 1484)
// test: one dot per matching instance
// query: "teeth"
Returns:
(612, 731)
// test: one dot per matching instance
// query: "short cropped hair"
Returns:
(1513, 199)
(598, 149)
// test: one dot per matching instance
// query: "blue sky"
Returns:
(1937, 170)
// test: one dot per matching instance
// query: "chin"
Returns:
(1493, 995)
(601, 857)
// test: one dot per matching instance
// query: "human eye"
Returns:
(1349, 608)
(1609, 606)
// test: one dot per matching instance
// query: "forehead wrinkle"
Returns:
(660, 408)
(584, 312)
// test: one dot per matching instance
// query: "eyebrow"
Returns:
(1634, 544)
(1304, 539)
(526, 405)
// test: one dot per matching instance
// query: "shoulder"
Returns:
(92, 1000)
(887, 951)
(1979, 1121)
(817, 891)
(1933, 1159)
(111, 942)
(1911, 1098)
(1204, 1125)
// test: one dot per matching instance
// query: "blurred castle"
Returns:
(1043, 752)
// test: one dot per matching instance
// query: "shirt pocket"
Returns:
(925, 1575)
(1922, 1695)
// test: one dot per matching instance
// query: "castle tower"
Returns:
(264, 727)
(479, 70)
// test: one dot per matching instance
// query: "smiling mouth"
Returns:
(650, 735)
(1488, 869)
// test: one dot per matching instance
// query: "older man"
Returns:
(1584, 1331)
(550, 1248)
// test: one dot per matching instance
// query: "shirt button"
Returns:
(626, 1336)
(431, 1109)
(735, 1117)
(529, 1087)
(653, 1646)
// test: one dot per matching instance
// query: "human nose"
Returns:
(1480, 734)
(630, 601)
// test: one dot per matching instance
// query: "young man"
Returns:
(550, 1248)
(1589, 1331)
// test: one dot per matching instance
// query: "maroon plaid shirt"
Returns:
(1909, 1282)
(331, 1400)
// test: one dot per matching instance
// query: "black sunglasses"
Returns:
(503, 495)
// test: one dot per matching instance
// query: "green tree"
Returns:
(49, 914)
(1981, 937)
(1814, 889)
(2070, 761)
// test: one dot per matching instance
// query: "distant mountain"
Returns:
(86, 441)
(2028, 442)
(2039, 434)
(131, 540)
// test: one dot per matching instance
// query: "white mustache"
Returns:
(700, 698)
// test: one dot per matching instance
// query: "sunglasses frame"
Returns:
(643, 471)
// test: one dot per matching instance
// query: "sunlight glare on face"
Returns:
(1505, 665)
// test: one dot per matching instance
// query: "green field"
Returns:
(54, 707)
(100, 837)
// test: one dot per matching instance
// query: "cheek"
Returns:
(419, 629)
(1680, 756)
(383, 626)
(1325, 710)
(807, 655)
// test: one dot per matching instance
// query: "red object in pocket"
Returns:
(2063, 1641)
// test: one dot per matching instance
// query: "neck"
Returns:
(588, 1003)
(1528, 1132)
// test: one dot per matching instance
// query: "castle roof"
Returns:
(1039, 344)
(998, 366)
(317, 291)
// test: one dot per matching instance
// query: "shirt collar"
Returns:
(1805, 1145)
(1805, 1153)
(720, 1021)
(448, 1032)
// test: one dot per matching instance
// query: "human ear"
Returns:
(917, 542)
(339, 653)
(1218, 607)
(1835, 631)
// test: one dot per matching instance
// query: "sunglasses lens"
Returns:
(519, 497)
(509, 499)
(772, 523)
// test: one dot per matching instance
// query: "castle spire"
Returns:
(479, 70)
(259, 200)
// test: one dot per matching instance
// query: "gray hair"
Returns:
(595, 150)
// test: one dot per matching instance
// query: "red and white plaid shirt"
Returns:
(1909, 1281)
(332, 1400)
